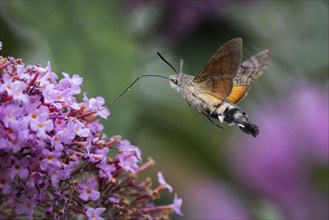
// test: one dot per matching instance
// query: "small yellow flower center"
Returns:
(28, 205)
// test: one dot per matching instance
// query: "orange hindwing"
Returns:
(238, 93)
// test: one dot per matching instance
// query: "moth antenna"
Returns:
(181, 65)
(128, 88)
(162, 58)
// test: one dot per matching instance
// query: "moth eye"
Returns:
(175, 81)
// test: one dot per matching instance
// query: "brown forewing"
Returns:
(214, 82)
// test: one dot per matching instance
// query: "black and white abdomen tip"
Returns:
(236, 116)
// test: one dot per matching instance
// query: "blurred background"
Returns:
(219, 173)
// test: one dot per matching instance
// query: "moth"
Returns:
(223, 82)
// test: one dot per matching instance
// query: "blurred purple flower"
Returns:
(18, 168)
(181, 18)
(93, 214)
(25, 205)
(163, 183)
(279, 165)
(177, 205)
(212, 199)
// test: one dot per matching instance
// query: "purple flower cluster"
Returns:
(54, 155)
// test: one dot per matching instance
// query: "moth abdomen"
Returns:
(236, 116)
(250, 128)
(230, 114)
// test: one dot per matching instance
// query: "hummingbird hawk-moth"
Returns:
(222, 83)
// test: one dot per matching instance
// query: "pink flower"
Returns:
(88, 190)
(129, 157)
(80, 129)
(51, 159)
(19, 168)
(25, 206)
(17, 89)
(163, 182)
(97, 104)
(177, 205)
(93, 214)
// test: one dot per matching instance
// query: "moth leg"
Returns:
(221, 118)
(218, 110)
(214, 109)
(212, 122)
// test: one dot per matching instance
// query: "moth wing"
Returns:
(249, 71)
(252, 68)
(214, 90)
(215, 81)
(238, 93)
